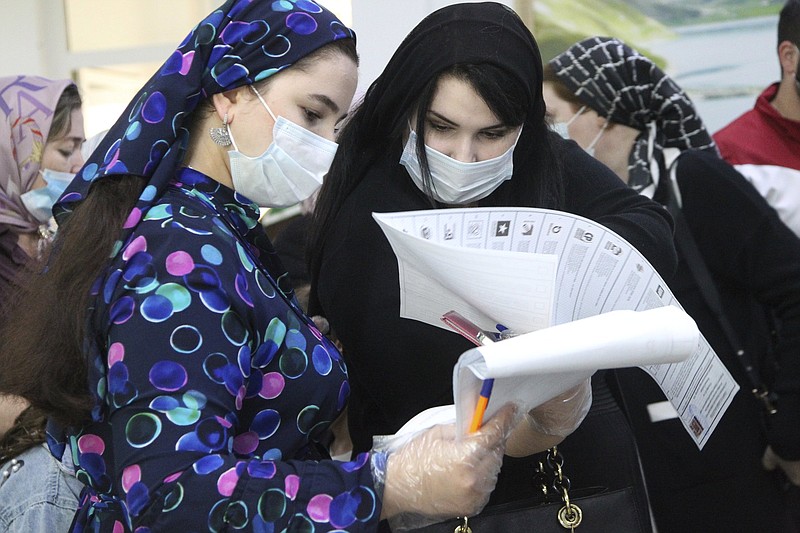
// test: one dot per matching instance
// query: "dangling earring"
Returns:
(221, 135)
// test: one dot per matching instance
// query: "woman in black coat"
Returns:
(641, 124)
(463, 91)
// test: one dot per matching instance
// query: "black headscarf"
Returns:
(242, 42)
(625, 87)
(471, 33)
(459, 34)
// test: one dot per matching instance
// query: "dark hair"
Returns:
(45, 363)
(789, 23)
(28, 431)
(345, 47)
(69, 101)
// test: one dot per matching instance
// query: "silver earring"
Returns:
(221, 135)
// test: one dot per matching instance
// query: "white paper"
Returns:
(532, 368)
(529, 269)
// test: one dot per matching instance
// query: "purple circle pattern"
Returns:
(219, 377)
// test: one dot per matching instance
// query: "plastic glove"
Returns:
(433, 476)
(771, 461)
(564, 413)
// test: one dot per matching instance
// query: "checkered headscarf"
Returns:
(625, 87)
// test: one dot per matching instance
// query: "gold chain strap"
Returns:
(463, 527)
(570, 515)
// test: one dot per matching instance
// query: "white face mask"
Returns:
(39, 202)
(456, 182)
(289, 171)
(562, 128)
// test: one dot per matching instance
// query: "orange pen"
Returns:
(472, 332)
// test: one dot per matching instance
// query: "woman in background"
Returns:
(640, 123)
(41, 132)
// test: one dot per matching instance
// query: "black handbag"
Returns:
(588, 511)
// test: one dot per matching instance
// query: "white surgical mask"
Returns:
(456, 182)
(39, 202)
(562, 128)
(289, 171)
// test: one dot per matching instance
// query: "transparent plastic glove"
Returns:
(771, 461)
(433, 476)
(564, 413)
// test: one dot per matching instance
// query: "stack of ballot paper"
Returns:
(579, 296)
(534, 367)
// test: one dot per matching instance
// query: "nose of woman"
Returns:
(76, 161)
(464, 150)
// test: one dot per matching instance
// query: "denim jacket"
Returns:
(38, 493)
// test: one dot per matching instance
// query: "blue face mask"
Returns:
(39, 202)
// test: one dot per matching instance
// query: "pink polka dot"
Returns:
(240, 397)
(133, 218)
(227, 482)
(292, 486)
(114, 158)
(319, 508)
(223, 422)
(186, 64)
(272, 385)
(116, 353)
(130, 476)
(118, 527)
(91, 444)
(179, 263)
(246, 443)
(139, 244)
(172, 477)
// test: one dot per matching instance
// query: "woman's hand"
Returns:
(436, 476)
(546, 425)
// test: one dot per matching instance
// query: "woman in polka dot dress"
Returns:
(209, 391)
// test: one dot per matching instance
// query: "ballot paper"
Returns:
(533, 270)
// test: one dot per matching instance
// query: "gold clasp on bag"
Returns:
(570, 515)
(463, 527)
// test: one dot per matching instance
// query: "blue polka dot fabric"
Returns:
(212, 386)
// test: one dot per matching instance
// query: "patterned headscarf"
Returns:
(242, 42)
(27, 105)
(625, 87)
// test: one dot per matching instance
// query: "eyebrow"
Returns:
(445, 119)
(324, 100)
(66, 138)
